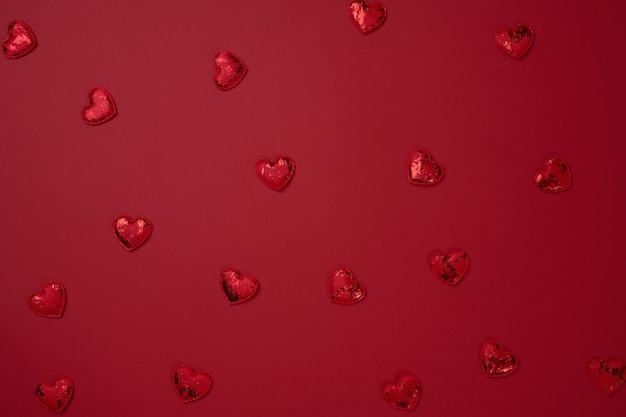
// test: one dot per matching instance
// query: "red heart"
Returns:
(230, 70)
(344, 288)
(403, 395)
(276, 174)
(132, 233)
(451, 267)
(191, 385)
(367, 16)
(555, 176)
(55, 397)
(608, 376)
(20, 40)
(100, 108)
(238, 287)
(422, 169)
(495, 361)
(514, 41)
(50, 302)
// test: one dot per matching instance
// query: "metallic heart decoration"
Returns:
(191, 385)
(56, 396)
(367, 16)
(20, 40)
(276, 174)
(238, 287)
(100, 108)
(451, 267)
(131, 233)
(514, 41)
(403, 395)
(608, 376)
(495, 361)
(344, 288)
(230, 70)
(555, 176)
(422, 170)
(50, 302)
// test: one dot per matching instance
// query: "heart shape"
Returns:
(367, 16)
(403, 395)
(344, 288)
(422, 170)
(514, 41)
(608, 376)
(20, 40)
(495, 362)
(50, 302)
(238, 287)
(191, 385)
(451, 267)
(131, 233)
(555, 176)
(100, 108)
(230, 70)
(56, 396)
(276, 174)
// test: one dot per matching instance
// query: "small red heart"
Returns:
(100, 108)
(230, 70)
(403, 395)
(276, 174)
(555, 176)
(495, 361)
(20, 40)
(238, 287)
(422, 170)
(191, 385)
(451, 267)
(56, 396)
(50, 302)
(367, 16)
(608, 376)
(132, 233)
(344, 288)
(514, 41)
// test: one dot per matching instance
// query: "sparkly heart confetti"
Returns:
(495, 361)
(367, 16)
(276, 174)
(608, 376)
(50, 302)
(514, 41)
(344, 287)
(555, 176)
(238, 287)
(403, 395)
(100, 108)
(56, 396)
(422, 170)
(20, 40)
(451, 267)
(230, 70)
(191, 385)
(132, 233)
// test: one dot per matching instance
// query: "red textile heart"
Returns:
(230, 70)
(608, 376)
(20, 40)
(403, 395)
(495, 361)
(56, 396)
(555, 176)
(238, 287)
(422, 170)
(100, 108)
(344, 288)
(132, 233)
(276, 174)
(191, 385)
(367, 16)
(50, 302)
(514, 41)
(451, 267)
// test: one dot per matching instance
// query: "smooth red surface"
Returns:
(548, 272)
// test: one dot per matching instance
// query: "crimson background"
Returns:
(547, 271)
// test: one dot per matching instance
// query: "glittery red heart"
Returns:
(276, 174)
(132, 233)
(422, 170)
(20, 40)
(230, 70)
(514, 41)
(608, 376)
(495, 361)
(344, 288)
(50, 302)
(367, 16)
(56, 396)
(403, 395)
(191, 385)
(555, 176)
(100, 108)
(451, 267)
(238, 287)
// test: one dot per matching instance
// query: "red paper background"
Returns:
(547, 274)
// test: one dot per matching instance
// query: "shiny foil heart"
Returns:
(50, 302)
(344, 288)
(100, 108)
(191, 385)
(238, 287)
(422, 170)
(403, 395)
(555, 176)
(495, 361)
(451, 267)
(367, 16)
(608, 376)
(230, 70)
(130, 232)
(55, 396)
(20, 40)
(276, 174)
(515, 41)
